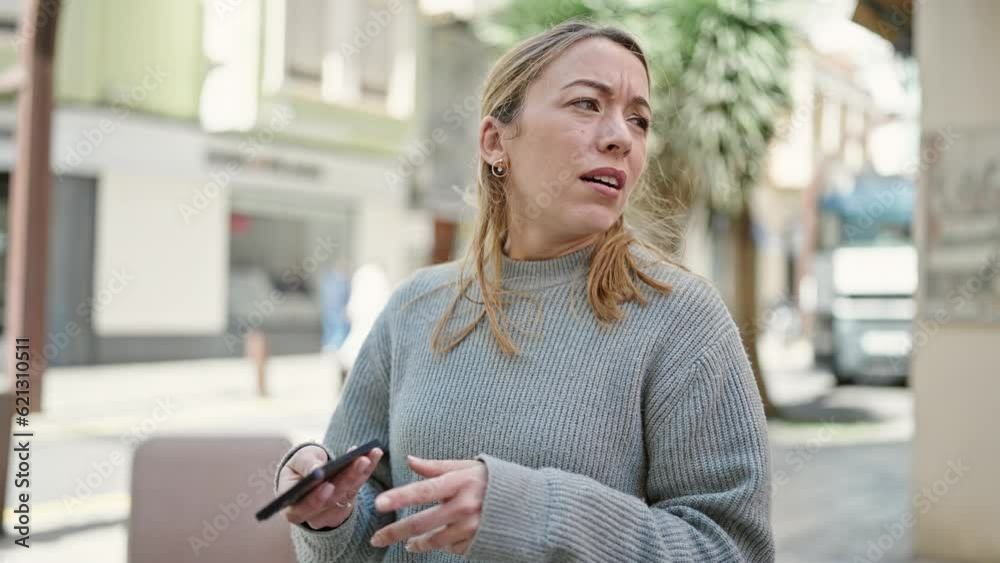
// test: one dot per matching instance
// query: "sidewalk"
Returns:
(203, 395)
(94, 412)
(841, 462)
(840, 485)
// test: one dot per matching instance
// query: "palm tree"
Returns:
(719, 81)
(726, 104)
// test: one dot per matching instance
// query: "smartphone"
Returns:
(316, 478)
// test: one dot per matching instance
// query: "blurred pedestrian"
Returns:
(370, 290)
(565, 393)
(335, 291)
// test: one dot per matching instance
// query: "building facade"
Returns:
(213, 161)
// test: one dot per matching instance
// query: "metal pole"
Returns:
(31, 183)
(258, 350)
(29, 214)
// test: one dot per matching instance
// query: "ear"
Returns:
(491, 147)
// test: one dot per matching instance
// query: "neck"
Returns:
(539, 273)
(537, 247)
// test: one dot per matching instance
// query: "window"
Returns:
(10, 16)
(280, 259)
(304, 27)
(350, 52)
(375, 58)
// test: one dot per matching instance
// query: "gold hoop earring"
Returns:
(497, 169)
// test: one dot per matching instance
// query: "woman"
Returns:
(574, 398)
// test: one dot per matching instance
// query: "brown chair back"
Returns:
(194, 499)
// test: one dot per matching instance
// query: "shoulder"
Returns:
(692, 315)
(422, 282)
(425, 279)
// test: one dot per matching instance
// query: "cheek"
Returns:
(558, 159)
(574, 152)
(567, 144)
(637, 161)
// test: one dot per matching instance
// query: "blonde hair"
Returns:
(613, 268)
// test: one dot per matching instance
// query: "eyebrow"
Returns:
(606, 89)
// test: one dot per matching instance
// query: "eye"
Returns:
(587, 103)
(640, 121)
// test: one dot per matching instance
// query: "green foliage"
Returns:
(523, 18)
(718, 77)
(728, 99)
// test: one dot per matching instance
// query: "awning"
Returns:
(879, 199)
(890, 19)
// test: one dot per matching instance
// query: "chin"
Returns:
(591, 221)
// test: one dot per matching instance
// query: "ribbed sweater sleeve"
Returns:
(708, 482)
(361, 415)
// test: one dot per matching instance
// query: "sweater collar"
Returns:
(527, 274)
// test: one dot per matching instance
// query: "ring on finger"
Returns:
(347, 503)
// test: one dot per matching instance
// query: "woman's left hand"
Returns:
(459, 485)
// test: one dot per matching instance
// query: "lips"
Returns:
(612, 177)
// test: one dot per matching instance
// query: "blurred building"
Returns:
(458, 62)
(828, 129)
(213, 160)
(848, 104)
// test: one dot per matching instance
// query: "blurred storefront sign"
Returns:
(263, 164)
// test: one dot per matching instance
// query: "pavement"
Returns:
(96, 414)
(840, 464)
(841, 457)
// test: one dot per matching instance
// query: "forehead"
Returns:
(598, 59)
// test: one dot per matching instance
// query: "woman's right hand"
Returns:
(318, 509)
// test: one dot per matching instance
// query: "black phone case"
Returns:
(314, 479)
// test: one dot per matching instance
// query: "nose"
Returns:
(615, 138)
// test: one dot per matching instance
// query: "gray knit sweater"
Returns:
(642, 442)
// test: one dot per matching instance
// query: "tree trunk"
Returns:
(746, 315)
